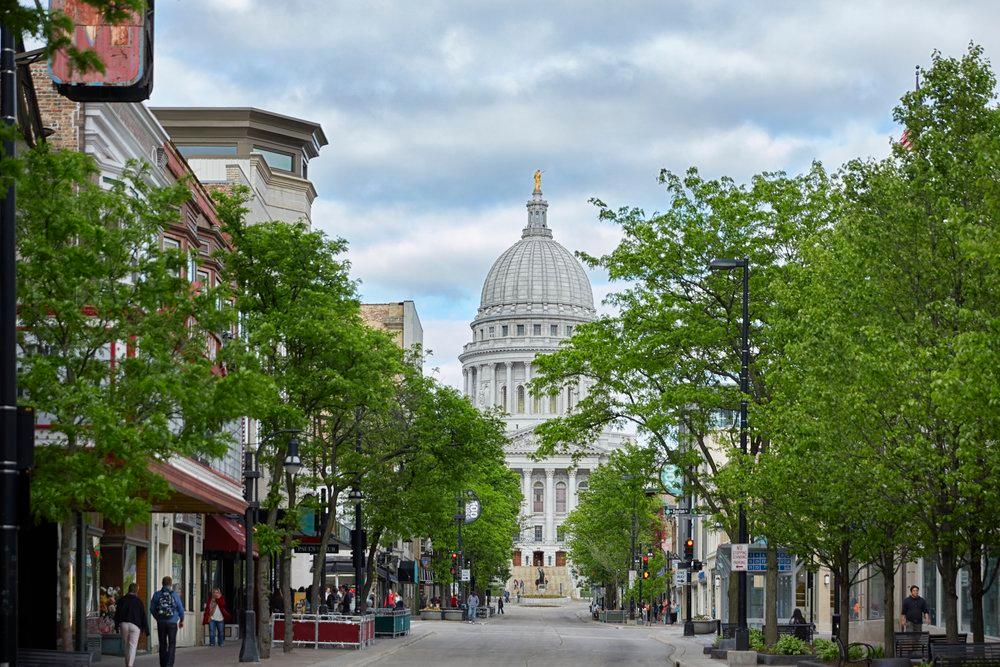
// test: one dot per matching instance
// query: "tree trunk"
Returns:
(976, 591)
(733, 594)
(949, 595)
(844, 603)
(286, 589)
(369, 569)
(319, 559)
(887, 566)
(770, 597)
(66, 532)
(263, 604)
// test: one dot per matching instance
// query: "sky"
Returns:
(438, 113)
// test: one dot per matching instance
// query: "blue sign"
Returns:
(757, 561)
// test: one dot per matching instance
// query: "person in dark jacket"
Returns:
(130, 619)
(801, 626)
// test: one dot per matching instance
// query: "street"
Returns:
(528, 636)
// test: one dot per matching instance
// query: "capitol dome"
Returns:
(537, 272)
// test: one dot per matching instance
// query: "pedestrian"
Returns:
(346, 600)
(801, 626)
(506, 596)
(130, 619)
(332, 600)
(168, 610)
(390, 598)
(453, 602)
(216, 616)
(276, 602)
(473, 603)
(500, 605)
(915, 612)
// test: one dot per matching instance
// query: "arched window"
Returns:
(569, 398)
(520, 399)
(553, 405)
(560, 496)
(536, 405)
(503, 397)
(538, 497)
(582, 486)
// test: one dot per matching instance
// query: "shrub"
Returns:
(855, 653)
(791, 645)
(826, 649)
(717, 641)
(876, 652)
(757, 641)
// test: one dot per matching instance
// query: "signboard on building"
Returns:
(680, 577)
(331, 548)
(757, 561)
(466, 574)
(124, 48)
(741, 553)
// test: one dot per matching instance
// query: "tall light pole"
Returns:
(742, 631)
(292, 464)
(358, 541)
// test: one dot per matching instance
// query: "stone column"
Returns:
(571, 491)
(526, 489)
(511, 400)
(550, 505)
(465, 381)
(529, 406)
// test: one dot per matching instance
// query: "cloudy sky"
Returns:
(439, 112)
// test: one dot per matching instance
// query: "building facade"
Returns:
(534, 296)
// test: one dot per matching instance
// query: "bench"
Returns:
(845, 651)
(30, 657)
(799, 630)
(912, 645)
(960, 638)
(980, 655)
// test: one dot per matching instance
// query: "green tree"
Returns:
(615, 513)
(112, 343)
(668, 362)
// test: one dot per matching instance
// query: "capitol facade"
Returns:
(534, 296)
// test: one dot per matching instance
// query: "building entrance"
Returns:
(538, 559)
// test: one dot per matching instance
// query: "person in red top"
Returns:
(390, 598)
(216, 616)
(454, 601)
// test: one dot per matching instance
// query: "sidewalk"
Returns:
(299, 657)
(688, 651)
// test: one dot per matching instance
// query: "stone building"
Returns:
(534, 295)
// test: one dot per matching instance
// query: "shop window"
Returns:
(930, 589)
(785, 596)
(538, 497)
(857, 599)
(561, 497)
(876, 595)
(179, 567)
(991, 602)
(756, 602)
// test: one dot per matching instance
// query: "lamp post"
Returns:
(292, 465)
(358, 541)
(742, 635)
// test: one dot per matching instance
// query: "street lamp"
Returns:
(358, 541)
(292, 464)
(742, 631)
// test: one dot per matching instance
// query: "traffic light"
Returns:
(645, 563)
(454, 563)
(689, 549)
(645, 574)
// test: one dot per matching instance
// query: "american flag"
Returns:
(905, 141)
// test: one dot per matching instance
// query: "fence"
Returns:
(325, 630)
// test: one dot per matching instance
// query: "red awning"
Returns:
(225, 534)
(196, 494)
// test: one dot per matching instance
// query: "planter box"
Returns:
(112, 645)
(772, 659)
(392, 622)
(705, 627)
(453, 614)
(431, 614)
(614, 616)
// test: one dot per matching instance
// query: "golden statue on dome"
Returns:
(538, 180)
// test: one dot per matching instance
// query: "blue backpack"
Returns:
(164, 608)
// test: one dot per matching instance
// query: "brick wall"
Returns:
(59, 113)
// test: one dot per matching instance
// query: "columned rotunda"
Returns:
(535, 294)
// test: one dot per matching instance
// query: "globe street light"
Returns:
(742, 635)
(292, 465)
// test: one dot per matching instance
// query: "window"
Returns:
(192, 267)
(172, 245)
(274, 159)
(503, 396)
(520, 329)
(214, 150)
(560, 496)
(492, 332)
(553, 405)
(538, 497)
(503, 330)
(569, 398)
(520, 399)
(538, 533)
(561, 537)
(569, 330)
(536, 405)
(582, 486)
(536, 330)
(553, 329)
(178, 568)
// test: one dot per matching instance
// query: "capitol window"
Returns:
(553, 329)
(560, 496)
(536, 329)
(503, 330)
(569, 330)
(553, 407)
(492, 330)
(520, 399)
(538, 495)
(520, 329)
(538, 533)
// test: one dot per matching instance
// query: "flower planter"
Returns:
(431, 614)
(705, 627)
(112, 645)
(453, 614)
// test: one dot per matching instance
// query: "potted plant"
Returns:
(703, 625)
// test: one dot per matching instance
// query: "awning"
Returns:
(197, 489)
(225, 534)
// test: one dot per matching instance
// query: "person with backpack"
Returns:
(130, 618)
(168, 610)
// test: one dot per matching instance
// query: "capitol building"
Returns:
(534, 296)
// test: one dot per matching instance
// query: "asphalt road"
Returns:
(529, 636)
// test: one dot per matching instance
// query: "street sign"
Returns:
(466, 574)
(680, 577)
(741, 553)
(631, 578)
(314, 549)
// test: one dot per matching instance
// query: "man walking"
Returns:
(168, 610)
(473, 602)
(130, 617)
(915, 612)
